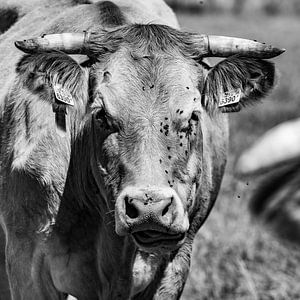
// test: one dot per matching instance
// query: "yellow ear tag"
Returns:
(230, 97)
(63, 95)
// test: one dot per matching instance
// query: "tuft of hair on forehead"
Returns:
(151, 38)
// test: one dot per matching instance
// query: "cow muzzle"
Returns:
(155, 217)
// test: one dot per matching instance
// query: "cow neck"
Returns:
(85, 219)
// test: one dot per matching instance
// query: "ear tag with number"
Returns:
(63, 95)
(230, 97)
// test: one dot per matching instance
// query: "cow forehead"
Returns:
(149, 84)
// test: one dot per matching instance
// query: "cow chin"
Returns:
(157, 223)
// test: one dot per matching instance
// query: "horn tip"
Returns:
(277, 51)
(282, 50)
(26, 46)
(21, 46)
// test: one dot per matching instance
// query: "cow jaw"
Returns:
(155, 217)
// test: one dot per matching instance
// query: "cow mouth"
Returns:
(155, 239)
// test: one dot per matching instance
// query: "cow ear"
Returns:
(30, 75)
(40, 72)
(57, 79)
(237, 81)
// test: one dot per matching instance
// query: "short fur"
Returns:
(111, 14)
(148, 38)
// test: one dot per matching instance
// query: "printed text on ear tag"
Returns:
(63, 95)
(230, 97)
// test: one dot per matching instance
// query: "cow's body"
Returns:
(59, 264)
(274, 163)
(59, 192)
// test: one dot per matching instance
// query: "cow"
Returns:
(274, 161)
(114, 132)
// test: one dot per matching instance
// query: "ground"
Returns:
(234, 257)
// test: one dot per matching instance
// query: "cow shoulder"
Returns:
(32, 137)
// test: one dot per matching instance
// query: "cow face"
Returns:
(158, 132)
(154, 157)
(161, 100)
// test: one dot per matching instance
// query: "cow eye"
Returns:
(195, 116)
(191, 123)
(100, 114)
(105, 120)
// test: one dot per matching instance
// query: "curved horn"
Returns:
(279, 145)
(223, 46)
(70, 43)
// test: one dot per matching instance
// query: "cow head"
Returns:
(154, 110)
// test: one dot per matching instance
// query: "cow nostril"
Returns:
(131, 211)
(166, 209)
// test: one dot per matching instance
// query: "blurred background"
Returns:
(235, 257)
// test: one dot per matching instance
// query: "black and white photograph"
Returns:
(149, 150)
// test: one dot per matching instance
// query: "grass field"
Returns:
(233, 256)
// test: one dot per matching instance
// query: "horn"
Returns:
(70, 43)
(276, 147)
(223, 46)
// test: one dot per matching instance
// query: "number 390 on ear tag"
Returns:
(63, 95)
(230, 97)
